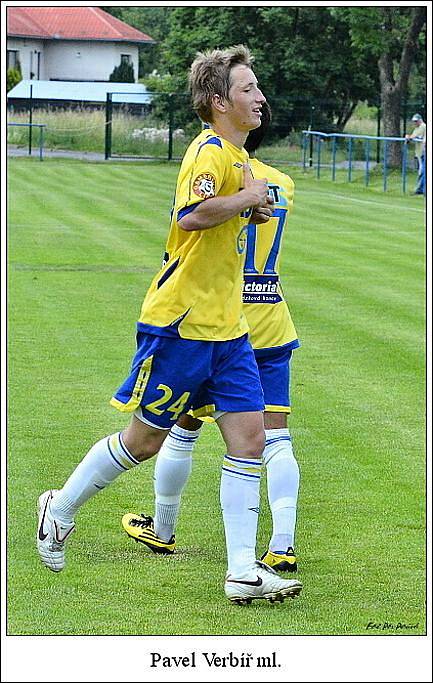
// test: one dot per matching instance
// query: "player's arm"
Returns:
(217, 210)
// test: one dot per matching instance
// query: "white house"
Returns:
(70, 43)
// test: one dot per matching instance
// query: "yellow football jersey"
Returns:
(198, 292)
(267, 312)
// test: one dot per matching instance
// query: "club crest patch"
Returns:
(204, 185)
(242, 240)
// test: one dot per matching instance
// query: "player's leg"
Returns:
(247, 579)
(192, 360)
(153, 373)
(172, 470)
(241, 424)
(420, 187)
(282, 478)
(282, 470)
(243, 434)
(105, 461)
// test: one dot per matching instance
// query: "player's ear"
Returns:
(219, 103)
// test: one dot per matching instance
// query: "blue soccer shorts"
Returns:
(169, 374)
(274, 372)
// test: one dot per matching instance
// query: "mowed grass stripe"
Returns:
(84, 205)
(357, 423)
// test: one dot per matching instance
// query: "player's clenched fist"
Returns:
(257, 189)
(262, 213)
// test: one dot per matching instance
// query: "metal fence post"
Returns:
(379, 113)
(404, 166)
(385, 163)
(311, 137)
(170, 126)
(30, 119)
(349, 169)
(367, 162)
(41, 141)
(108, 124)
(334, 154)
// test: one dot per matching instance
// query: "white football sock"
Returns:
(172, 470)
(283, 485)
(239, 497)
(108, 458)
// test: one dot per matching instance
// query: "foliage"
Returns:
(395, 37)
(302, 53)
(123, 73)
(13, 76)
(291, 46)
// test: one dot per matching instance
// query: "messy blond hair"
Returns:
(210, 75)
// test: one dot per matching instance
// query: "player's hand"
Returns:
(257, 190)
(261, 214)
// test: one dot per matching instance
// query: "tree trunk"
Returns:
(393, 90)
(391, 108)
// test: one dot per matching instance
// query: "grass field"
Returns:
(84, 242)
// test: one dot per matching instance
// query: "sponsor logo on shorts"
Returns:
(204, 185)
(261, 289)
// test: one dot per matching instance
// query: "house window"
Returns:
(13, 59)
(125, 59)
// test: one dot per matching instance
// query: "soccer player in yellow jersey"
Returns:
(192, 333)
(273, 337)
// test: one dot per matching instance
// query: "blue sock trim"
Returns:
(239, 473)
(125, 450)
(256, 463)
(125, 469)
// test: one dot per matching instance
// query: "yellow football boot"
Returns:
(281, 562)
(140, 528)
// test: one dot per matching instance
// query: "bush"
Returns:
(124, 73)
(13, 77)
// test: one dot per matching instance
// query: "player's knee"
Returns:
(255, 445)
(143, 444)
(146, 450)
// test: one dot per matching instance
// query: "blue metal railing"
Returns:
(41, 127)
(318, 137)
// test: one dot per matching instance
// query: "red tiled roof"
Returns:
(70, 23)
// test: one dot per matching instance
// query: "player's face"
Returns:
(246, 99)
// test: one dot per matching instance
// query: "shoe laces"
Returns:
(266, 567)
(143, 523)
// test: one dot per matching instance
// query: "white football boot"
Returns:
(51, 535)
(260, 582)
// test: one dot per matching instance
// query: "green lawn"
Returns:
(84, 242)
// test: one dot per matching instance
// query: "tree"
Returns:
(332, 57)
(13, 76)
(295, 58)
(124, 73)
(392, 35)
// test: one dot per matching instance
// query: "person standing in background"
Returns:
(418, 136)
